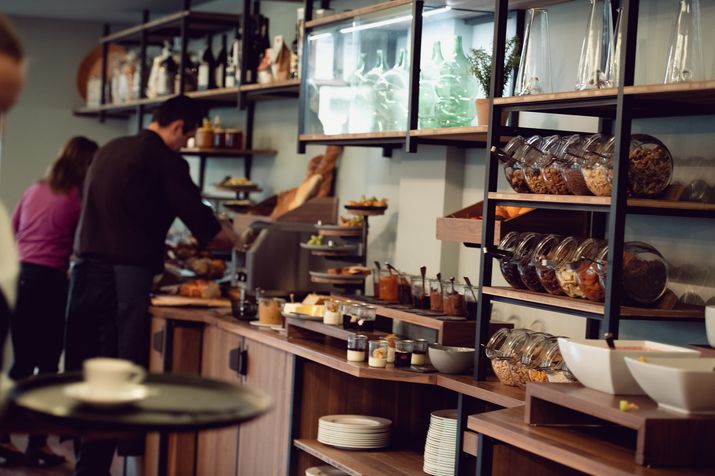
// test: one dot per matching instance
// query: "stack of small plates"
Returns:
(441, 443)
(354, 431)
(324, 471)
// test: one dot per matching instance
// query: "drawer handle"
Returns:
(158, 341)
(238, 361)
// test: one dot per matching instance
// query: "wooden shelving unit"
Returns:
(369, 139)
(490, 390)
(579, 450)
(567, 304)
(217, 153)
(472, 136)
(365, 463)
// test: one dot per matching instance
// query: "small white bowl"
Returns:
(600, 368)
(710, 324)
(680, 385)
(451, 360)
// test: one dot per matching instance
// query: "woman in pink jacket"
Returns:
(44, 223)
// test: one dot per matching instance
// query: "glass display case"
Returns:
(357, 74)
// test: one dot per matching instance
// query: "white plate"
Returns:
(448, 414)
(262, 324)
(355, 421)
(85, 393)
(352, 446)
(331, 436)
(324, 471)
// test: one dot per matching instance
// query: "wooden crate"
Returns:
(661, 438)
(462, 226)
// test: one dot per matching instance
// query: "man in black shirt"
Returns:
(135, 188)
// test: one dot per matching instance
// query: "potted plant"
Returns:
(481, 67)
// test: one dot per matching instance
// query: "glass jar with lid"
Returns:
(534, 355)
(567, 273)
(504, 349)
(589, 276)
(435, 295)
(528, 266)
(512, 156)
(535, 159)
(522, 255)
(557, 257)
(553, 163)
(597, 168)
(453, 300)
(645, 273)
(650, 166)
(553, 364)
(572, 152)
(509, 267)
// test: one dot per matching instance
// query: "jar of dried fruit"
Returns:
(590, 276)
(597, 168)
(535, 159)
(509, 267)
(553, 164)
(645, 273)
(528, 267)
(650, 166)
(504, 350)
(567, 273)
(548, 264)
(573, 151)
(512, 159)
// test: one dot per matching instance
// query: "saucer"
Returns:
(85, 393)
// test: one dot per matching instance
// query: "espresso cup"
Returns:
(111, 375)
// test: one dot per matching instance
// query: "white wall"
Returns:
(42, 120)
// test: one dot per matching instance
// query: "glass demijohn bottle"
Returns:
(535, 64)
(685, 58)
(593, 65)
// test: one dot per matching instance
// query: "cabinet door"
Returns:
(263, 444)
(157, 343)
(218, 449)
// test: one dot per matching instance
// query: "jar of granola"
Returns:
(548, 263)
(567, 273)
(650, 166)
(597, 168)
(573, 151)
(645, 273)
(589, 276)
(553, 164)
(504, 350)
(512, 159)
(527, 267)
(534, 354)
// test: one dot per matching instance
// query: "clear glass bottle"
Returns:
(392, 92)
(613, 74)
(685, 58)
(362, 108)
(166, 72)
(369, 101)
(535, 64)
(456, 90)
(207, 68)
(593, 66)
(428, 82)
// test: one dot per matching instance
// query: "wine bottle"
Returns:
(233, 70)
(221, 65)
(207, 68)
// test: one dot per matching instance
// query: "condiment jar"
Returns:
(205, 135)
(645, 273)
(535, 160)
(527, 267)
(453, 303)
(388, 286)
(547, 266)
(420, 293)
(233, 138)
(331, 313)
(504, 349)
(377, 353)
(567, 274)
(435, 295)
(509, 267)
(404, 291)
(357, 345)
(589, 276)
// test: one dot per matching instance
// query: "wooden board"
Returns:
(365, 463)
(582, 305)
(559, 96)
(322, 329)
(469, 443)
(490, 390)
(365, 135)
(579, 450)
(181, 301)
(657, 430)
(272, 85)
(358, 12)
(467, 134)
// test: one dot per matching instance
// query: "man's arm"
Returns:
(224, 239)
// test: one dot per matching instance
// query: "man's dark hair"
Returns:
(179, 108)
(9, 42)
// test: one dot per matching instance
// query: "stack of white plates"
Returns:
(324, 471)
(441, 443)
(354, 431)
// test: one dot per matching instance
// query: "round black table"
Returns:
(176, 403)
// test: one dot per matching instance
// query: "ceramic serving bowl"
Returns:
(603, 369)
(451, 360)
(682, 385)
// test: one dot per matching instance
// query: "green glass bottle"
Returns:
(392, 93)
(428, 81)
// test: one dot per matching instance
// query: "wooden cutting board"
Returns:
(181, 301)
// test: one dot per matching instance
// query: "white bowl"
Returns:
(710, 324)
(451, 360)
(679, 385)
(600, 368)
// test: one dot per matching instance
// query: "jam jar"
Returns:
(453, 300)
(548, 264)
(567, 273)
(504, 349)
(645, 273)
(509, 267)
(528, 266)
(589, 276)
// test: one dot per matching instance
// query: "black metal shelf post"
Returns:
(414, 92)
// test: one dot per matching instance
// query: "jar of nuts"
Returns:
(509, 267)
(505, 349)
(650, 166)
(527, 267)
(535, 160)
(525, 244)
(597, 168)
(512, 157)
(534, 355)
(645, 273)
(549, 262)
(589, 276)
(567, 273)
(553, 164)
